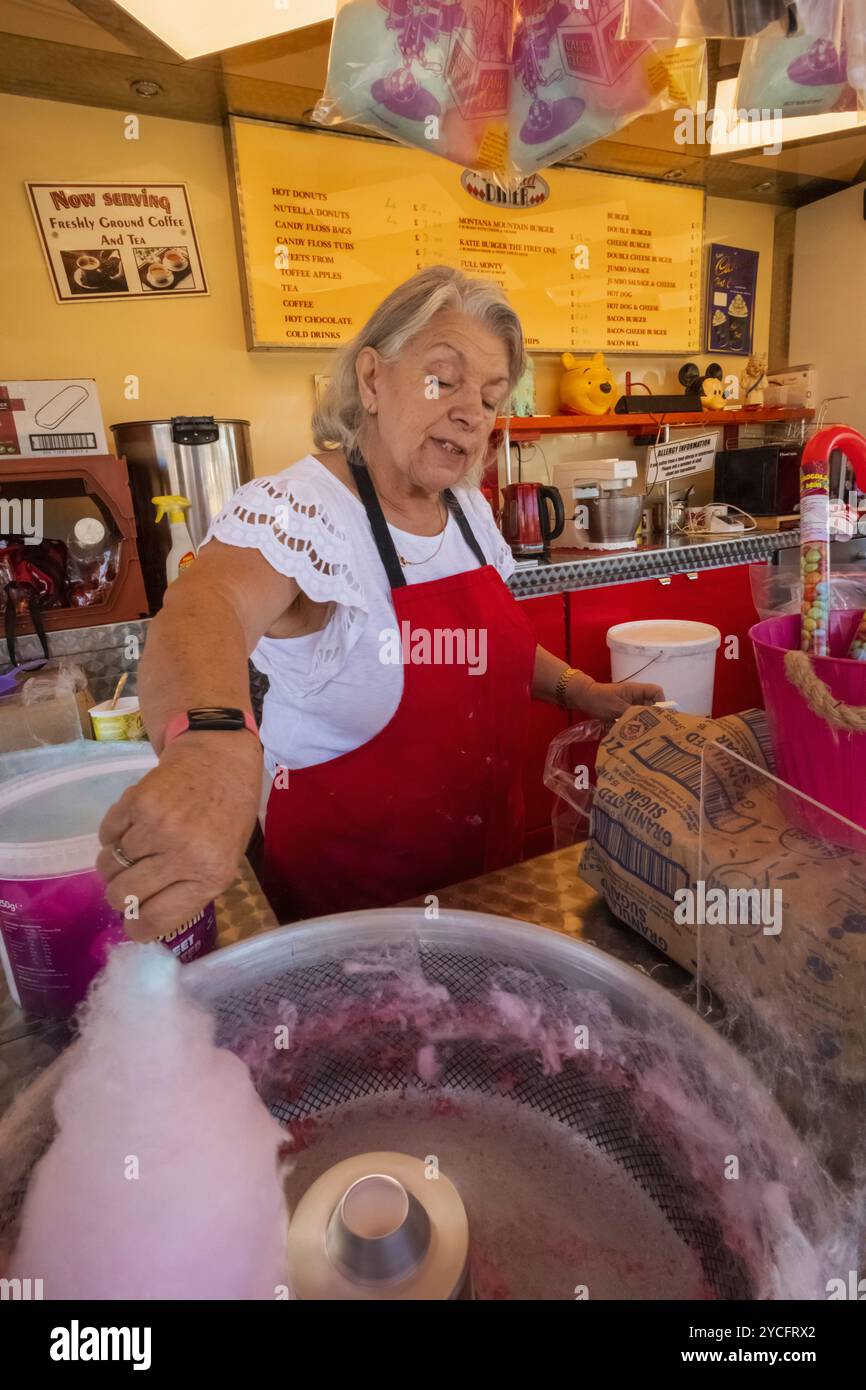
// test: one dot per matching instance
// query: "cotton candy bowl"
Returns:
(588, 1120)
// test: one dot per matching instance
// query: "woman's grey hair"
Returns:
(409, 308)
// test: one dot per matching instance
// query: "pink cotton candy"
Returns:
(163, 1180)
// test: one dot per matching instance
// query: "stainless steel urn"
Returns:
(196, 456)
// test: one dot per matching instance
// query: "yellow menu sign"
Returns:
(329, 224)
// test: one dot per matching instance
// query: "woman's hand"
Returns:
(608, 702)
(186, 826)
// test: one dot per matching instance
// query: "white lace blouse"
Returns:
(329, 690)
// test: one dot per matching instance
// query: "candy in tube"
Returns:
(815, 557)
(815, 530)
(857, 649)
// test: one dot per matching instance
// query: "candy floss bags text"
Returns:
(502, 86)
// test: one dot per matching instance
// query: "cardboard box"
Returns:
(794, 387)
(51, 419)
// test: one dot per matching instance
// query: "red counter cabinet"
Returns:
(574, 626)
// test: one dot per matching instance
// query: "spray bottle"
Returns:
(182, 551)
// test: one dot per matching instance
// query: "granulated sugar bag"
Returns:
(801, 968)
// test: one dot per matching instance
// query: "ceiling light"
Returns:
(197, 27)
(765, 186)
(146, 89)
(674, 174)
(731, 129)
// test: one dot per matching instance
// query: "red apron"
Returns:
(435, 797)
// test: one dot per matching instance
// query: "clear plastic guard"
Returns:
(780, 917)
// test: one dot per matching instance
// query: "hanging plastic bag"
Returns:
(694, 19)
(855, 24)
(697, 19)
(800, 76)
(574, 82)
(569, 772)
(502, 86)
(430, 73)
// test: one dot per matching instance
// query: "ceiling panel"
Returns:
(56, 21)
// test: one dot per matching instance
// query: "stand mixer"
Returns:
(606, 516)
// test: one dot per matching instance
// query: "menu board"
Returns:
(329, 224)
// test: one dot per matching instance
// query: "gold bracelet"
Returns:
(559, 688)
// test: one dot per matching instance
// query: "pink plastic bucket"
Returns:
(825, 763)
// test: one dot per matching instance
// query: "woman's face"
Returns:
(434, 406)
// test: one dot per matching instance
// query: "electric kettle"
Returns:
(526, 523)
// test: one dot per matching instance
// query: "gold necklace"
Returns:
(428, 558)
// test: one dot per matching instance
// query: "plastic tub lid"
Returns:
(51, 819)
(671, 636)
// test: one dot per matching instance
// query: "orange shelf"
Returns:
(522, 426)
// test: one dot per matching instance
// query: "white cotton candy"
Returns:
(163, 1181)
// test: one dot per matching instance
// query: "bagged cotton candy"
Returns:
(794, 77)
(855, 21)
(574, 82)
(501, 86)
(163, 1179)
(806, 75)
(430, 73)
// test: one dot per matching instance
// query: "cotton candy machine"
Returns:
(604, 1142)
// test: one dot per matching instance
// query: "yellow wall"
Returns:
(190, 355)
(828, 312)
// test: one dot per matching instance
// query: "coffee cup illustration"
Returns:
(159, 277)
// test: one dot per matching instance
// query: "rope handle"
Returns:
(820, 699)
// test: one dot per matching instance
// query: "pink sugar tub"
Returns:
(818, 749)
(55, 925)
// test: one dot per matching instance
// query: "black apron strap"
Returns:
(379, 526)
(462, 520)
(376, 517)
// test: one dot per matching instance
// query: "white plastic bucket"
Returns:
(55, 925)
(678, 655)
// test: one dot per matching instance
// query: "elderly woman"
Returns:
(368, 583)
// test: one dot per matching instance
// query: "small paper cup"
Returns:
(119, 724)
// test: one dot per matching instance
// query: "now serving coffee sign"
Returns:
(682, 457)
(117, 240)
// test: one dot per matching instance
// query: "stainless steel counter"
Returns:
(589, 569)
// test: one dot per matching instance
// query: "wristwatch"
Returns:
(210, 717)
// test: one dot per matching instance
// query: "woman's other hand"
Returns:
(608, 702)
(186, 826)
